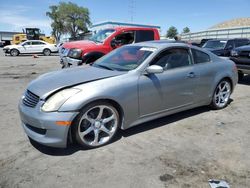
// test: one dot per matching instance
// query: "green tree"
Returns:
(57, 22)
(186, 30)
(172, 32)
(76, 19)
(69, 18)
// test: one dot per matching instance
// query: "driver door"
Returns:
(170, 90)
(26, 47)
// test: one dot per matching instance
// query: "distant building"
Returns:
(111, 24)
(6, 36)
(236, 28)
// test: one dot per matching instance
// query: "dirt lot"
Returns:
(183, 150)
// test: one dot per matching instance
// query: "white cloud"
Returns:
(16, 18)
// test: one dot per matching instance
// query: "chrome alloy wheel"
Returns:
(222, 94)
(98, 125)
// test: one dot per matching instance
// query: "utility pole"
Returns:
(131, 7)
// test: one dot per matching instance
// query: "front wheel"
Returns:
(14, 52)
(221, 95)
(96, 125)
(46, 52)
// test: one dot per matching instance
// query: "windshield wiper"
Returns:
(103, 66)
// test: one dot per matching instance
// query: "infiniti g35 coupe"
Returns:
(131, 85)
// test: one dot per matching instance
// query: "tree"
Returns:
(69, 18)
(76, 19)
(57, 23)
(186, 30)
(172, 32)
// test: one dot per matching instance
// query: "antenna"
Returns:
(131, 7)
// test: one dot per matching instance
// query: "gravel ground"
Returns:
(183, 150)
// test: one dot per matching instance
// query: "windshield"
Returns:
(125, 58)
(215, 44)
(101, 35)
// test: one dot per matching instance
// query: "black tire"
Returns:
(240, 76)
(14, 52)
(81, 125)
(219, 99)
(46, 52)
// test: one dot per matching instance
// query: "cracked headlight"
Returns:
(75, 53)
(58, 99)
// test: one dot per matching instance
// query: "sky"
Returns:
(198, 15)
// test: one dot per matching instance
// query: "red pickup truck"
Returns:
(87, 51)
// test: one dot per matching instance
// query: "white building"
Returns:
(236, 28)
(111, 24)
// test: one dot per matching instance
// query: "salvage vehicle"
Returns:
(32, 34)
(31, 47)
(241, 56)
(87, 51)
(223, 47)
(131, 85)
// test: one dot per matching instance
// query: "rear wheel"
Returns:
(221, 94)
(46, 52)
(96, 125)
(14, 52)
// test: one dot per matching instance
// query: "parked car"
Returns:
(223, 47)
(30, 47)
(241, 56)
(131, 85)
(87, 51)
(1, 44)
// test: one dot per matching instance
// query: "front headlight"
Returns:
(75, 53)
(58, 99)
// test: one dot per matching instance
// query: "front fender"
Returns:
(120, 89)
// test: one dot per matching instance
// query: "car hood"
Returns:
(47, 84)
(81, 44)
(213, 49)
(245, 48)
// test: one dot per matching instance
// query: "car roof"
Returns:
(118, 28)
(162, 44)
(35, 41)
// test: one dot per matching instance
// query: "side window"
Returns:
(144, 35)
(125, 38)
(27, 43)
(200, 57)
(35, 43)
(239, 43)
(229, 45)
(173, 58)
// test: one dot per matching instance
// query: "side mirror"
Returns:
(113, 43)
(154, 69)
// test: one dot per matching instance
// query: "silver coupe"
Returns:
(129, 86)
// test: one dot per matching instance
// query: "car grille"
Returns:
(30, 99)
(244, 53)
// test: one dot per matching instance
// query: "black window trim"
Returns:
(193, 59)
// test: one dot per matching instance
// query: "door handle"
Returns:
(191, 75)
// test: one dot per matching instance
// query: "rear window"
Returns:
(200, 57)
(144, 35)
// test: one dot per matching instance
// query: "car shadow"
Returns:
(72, 148)
(245, 80)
